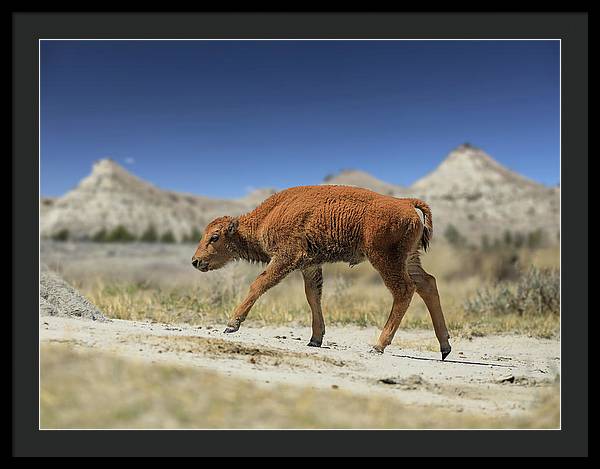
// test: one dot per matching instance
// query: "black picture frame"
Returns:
(570, 28)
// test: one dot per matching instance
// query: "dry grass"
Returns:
(353, 305)
(95, 390)
(161, 286)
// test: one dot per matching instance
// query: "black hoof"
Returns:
(445, 353)
(229, 329)
(376, 351)
(314, 343)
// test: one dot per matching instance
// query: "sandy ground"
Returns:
(494, 375)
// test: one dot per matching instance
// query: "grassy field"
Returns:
(166, 289)
(90, 389)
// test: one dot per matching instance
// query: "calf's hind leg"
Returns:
(427, 289)
(313, 287)
(400, 284)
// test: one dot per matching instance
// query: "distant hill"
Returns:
(111, 196)
(478, 195)
(468, 172)
(352, 177)
(469, 190)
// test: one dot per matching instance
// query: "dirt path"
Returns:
(497, 375)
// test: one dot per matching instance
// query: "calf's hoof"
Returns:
(231, 328)
(376, 350)
(314, 343)
(445, 352)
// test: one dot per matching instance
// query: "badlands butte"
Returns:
(468, 190)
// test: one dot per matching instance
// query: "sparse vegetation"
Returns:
(119, 234)
(533, 240)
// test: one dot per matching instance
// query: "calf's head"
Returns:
(215, 248)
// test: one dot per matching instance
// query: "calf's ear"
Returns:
(233, 225)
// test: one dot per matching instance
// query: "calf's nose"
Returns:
(195, 263)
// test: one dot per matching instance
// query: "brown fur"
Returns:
(302, 228)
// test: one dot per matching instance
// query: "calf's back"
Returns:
(333, 223)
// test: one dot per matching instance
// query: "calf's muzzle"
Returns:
(200, 265)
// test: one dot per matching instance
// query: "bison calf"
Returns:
(302, 228)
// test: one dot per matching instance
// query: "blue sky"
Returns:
(221, 117)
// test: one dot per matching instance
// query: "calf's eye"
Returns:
(214, 238)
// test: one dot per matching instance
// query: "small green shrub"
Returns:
(196, 235)
(193, 237)
(167, 237)
(454, 237)
(150, 235)
(119, 234)
(535, 239)
(62, 235)
(508, 238)
(537, 292)
(505, 265)
(518, 240)
(99, 236)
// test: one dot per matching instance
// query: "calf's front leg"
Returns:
(273, 274)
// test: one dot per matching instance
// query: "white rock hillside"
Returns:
(110, 196)
(479, 196)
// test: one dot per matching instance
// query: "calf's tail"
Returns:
(427, 222)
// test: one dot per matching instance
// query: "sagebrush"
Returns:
(537, 292)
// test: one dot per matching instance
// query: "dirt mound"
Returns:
(58, 298)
